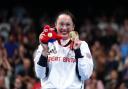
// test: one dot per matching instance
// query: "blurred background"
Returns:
(102, 24)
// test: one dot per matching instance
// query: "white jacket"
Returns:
(62, 67)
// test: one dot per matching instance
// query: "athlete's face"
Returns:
(64, 25)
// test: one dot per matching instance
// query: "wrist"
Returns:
(45, 50)
(78, 53)
(42, 61)
(45, 54)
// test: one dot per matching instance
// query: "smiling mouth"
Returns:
(64, 32)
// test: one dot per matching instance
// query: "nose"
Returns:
(64, 27)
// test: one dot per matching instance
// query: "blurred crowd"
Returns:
(107, 39)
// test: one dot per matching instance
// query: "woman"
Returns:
(64, 67)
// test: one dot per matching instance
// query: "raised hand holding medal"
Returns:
(74, 36)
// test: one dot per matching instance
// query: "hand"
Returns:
(76, 44)
(44, 38)
(74, 36)
(45, 50)
(43, 41)
(48, 35)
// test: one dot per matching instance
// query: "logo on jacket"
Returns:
(52, 49)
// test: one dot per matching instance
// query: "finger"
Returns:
(41, 35)
(45, 30)
(77, 44)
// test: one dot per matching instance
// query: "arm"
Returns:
(85, 62)
(40, 60)
(40, 63)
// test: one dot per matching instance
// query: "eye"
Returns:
(68, 24)
(61, 23)
(45, 30)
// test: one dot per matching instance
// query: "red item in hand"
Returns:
(49, 35)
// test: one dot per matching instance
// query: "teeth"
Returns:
(64, 32)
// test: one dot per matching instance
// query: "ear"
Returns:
(73, 27)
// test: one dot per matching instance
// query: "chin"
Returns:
(65, 36)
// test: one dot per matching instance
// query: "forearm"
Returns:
(84, 62)
(85, 67)
(40, 63)
(40, 71)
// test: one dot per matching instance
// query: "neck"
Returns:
(65, 38)
(64, 41)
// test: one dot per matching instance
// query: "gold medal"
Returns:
(73, 35)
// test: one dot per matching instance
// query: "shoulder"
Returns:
(84, 46)
(84, 43)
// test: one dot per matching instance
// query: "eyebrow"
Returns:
(65, 22)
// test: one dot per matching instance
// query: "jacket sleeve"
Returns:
(85, 62)
(40, 63)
